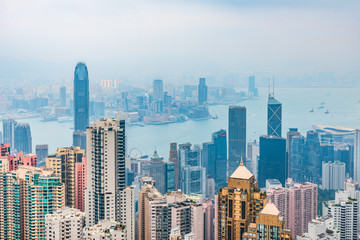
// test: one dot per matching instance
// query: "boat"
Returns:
(321, 107)
(49, 118)
(312, 110)
(327, 111)
(64, 119)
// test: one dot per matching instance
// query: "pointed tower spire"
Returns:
(241, 163)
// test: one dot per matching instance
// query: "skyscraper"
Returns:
(8, 132)
(173, 157)
(272, 160)
(105, 156)
(253, 91)
(219, 165)
(237, 137)
(238, 204)
(357, 155)
(42, 152)
(274, 117)
(22, 138)
(81, 100)
(313, 162)
(333, 175)
(202, 91)
(63, 96)
(158, 90)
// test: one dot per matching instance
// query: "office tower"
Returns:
(189, 155)
(208, 159)
(253, 91)
(8, 131)
(343, 154)
(170, 176)
(209, 215)
(173, 157)
(158, 90)
(80, 184)
(274, 117)
(63, 97)
(127, 211)
(63, 163)
(219, 141)
(333, 175)
(22, 138)
(298, 204)
(238, 204)
(313, 162)
(321, 229)
(202, 91)
(41, 152)
(289, 136)
(105, 229)
(81, 97)
(65, 223)
(237, 137)
(193, 180)
(253, 151)
(356, 155)
(154, 214)
(210, 188)
(27, 195)
(272, 160)
(269, 225)
(297, 158)
(105, 156)
(81, 105)
(345, 212)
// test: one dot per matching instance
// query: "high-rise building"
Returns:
(42, 152)
(209, 215)
(8, 131)
(127, 211)
(81, 104)
(253, 151)
(22, 138)
(27, 195)
(297, 203)
(163, 173)
(22, 160)
(173, 157)
(62, 92)
(356, 155)
(272, 160)
(202, 91)
(274, 117)
(345, 209)
(220, 163)
(63, 163)
(313, 162)
(65, 223)
(297, 158)
(237, 137)
(238, 204)
(289, 136)
(333, 175)
(193, 180)
(158, 90)
(105, 156)
(105, 229)
(253, 91)
(80, 184)
(269, 225)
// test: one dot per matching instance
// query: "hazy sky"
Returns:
(43, 40)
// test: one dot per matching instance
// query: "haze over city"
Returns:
(138, 40)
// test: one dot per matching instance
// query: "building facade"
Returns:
(333, 175)
(274, 117)
(202, 91)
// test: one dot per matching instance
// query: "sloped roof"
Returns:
(270, 209)
(242, 172)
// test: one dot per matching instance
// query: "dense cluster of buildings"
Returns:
(226, 188)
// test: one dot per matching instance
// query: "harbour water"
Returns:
(342, 103)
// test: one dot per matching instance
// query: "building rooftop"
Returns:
(270, 209)
(242, 172)
(273, 101)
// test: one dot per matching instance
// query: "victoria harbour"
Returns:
(342, 103)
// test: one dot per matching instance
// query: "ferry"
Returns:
(327, 111)
(312, 110)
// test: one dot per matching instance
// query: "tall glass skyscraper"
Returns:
(22, 138)
(158, 90)
(272, 161)
(219, 141)
(274, 117)
(81, 104)
(237, 137)
(202, 91)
